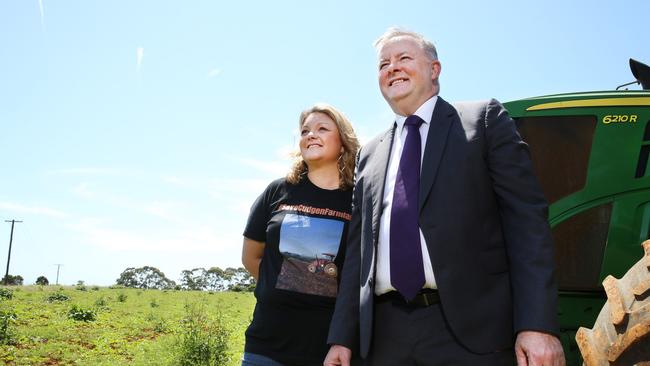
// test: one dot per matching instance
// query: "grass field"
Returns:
(131, 327)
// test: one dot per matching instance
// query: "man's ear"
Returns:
(436, 67)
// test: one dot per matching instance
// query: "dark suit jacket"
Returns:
(484, 219)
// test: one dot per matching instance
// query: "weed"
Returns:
(159, 325)
(154, 303)
(57, 296)
(202, 341)
(121, 297)
(80, 314)
(95, 288)
(6, 294)
(101, 302)
(7, 332)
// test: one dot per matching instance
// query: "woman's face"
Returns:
(320, 142)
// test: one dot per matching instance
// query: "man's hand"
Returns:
(338, 355)
(538, 349)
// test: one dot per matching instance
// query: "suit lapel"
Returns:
(378, 177)
(435, 147)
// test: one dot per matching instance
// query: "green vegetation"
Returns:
(6, 294)
(82, 315)
(203, 339)
(62, 326)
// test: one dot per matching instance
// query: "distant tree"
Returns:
(215, 279)
(42, 280)
(145, 278)
(81, 286)
(194, 279)
(239, 279)
(13, 280)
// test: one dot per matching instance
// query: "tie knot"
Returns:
(413, 120)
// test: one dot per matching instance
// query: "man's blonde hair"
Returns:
(396, 32)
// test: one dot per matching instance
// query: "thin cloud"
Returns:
(91, 171)
(139, 56)
(32, 210)
(83, 190)
(42, 13)
(278, 168)
(214, 73)
(168, 210)
(178, 181)
(171, 211)
(199, 238)
(233, 192)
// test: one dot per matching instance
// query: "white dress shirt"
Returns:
(382, 279)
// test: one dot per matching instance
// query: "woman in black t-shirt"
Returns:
(294, 244)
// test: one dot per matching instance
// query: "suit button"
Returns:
(370, 282)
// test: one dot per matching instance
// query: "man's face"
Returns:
(407, 75)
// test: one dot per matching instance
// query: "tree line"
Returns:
(198, 279)
(147, 277)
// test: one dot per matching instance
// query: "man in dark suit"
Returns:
(452, 263)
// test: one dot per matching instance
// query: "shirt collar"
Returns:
(425, 112)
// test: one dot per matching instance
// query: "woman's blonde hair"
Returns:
(349, 142)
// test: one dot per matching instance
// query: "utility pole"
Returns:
(11, 239)
(58, 266)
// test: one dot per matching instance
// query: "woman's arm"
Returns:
(251, 256)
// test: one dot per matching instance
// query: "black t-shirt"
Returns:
(305, 230)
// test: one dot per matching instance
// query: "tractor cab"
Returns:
(590, 153)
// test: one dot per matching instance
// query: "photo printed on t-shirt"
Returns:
(309, 246)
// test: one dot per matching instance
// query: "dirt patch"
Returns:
(295, 276)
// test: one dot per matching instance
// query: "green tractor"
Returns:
(591, 153)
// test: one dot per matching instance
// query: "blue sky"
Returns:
(138, 133)
(324, 236)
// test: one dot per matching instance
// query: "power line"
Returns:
(11, 239)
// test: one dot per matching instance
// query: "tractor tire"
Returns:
(621, 334)
(311, 268)
(331, 270)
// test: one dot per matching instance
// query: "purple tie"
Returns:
(406, 267)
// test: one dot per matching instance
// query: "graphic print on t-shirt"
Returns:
(308, 246)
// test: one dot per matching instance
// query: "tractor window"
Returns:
(642, 165)
(560, 148)
(579, 248)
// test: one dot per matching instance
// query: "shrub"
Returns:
(42, 281)
(58, 296)
(95, 288)
(81, 286)
(202, 341)
(160, 326)
(6, 294)
(80, 314)
(154, 303)
(121, 297)
(7, 332)
(101, 302)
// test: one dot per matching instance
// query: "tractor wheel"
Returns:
(621, 334)
(330, 269)
(311, 268)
